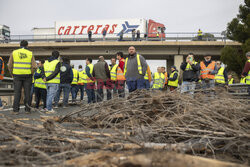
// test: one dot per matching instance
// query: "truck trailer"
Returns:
(78, 30)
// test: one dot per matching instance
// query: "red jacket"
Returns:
(121, 64)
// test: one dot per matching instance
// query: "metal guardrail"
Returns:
(238, 89)
(7, 87)
(169, 36)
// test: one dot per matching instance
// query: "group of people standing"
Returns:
(50, 77)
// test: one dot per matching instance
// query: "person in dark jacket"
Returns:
(190, 68)
(138, 35)
(90, 35)
(102, 75)
(104, 33)
(51, 87)
(66, 77)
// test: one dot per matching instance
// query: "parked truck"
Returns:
(4, 34)
(66, 30)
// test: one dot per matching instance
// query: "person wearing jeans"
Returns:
(135, 70)
(90, 85)
(66, 77)
(51, 75)
(101, 73)
(190, 68)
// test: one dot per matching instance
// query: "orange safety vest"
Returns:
(2, 72)
(120, 75)
(205, 70)
(166, 78)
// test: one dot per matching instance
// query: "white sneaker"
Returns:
(56, 107)
(50, 111)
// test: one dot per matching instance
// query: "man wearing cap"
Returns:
(246, 71)
(208, 69)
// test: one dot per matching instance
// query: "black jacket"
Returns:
(190, 75)
(66, 74)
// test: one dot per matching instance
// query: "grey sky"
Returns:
(177, 15)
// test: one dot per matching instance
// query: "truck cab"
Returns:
(155, 28)
(4, 34)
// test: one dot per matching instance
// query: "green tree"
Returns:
(238, 30)
(233, 59)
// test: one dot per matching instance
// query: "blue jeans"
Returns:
(188, 87)
(134, 85)
(147, 84)
(208, 85)
(90, 90)
(31, 93)
(51, 93)
(81, 88)
(66, 90)
(1, 104)
(74, 90)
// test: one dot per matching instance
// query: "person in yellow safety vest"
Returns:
(157, 35)
(51, 70)
(166, 78)
(81, 82)
(199, 35)
(246, 71)
(173, 79)
(113, 75)
(74, 87)
(32, 89)
(22, 65)
(221, 78)
(230, 79)
(147, 78)
(1, 77)
(243, 80)
(90, 85)
(120, 83)
(40, 86)
(135, 70)
(158, 79)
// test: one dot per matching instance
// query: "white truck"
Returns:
(4, 34)
(78, 30)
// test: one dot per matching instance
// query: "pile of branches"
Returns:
(207, 125)
(144, 120)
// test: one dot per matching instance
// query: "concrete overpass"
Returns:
(173, 52)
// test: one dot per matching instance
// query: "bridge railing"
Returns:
(168, 36)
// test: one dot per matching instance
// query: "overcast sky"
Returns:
(177, 15)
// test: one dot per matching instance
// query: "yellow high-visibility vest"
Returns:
(243, 80)
(200, 33)
(22, 61)
(230, 81)
(91, 67)
(219, 77)
(189, 67)
(113, 73)
(49, 68)
(82, 77)
(75, 76)
(248, 76)
(138, 63)
(39, 83)
(175, 82)
(159, 80)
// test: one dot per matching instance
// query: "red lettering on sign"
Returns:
(90, 28)
(75, 27)
(59, 30)
(98, 26)
(66, 32)
(106, 27)
(82, 29)
(113, 28)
